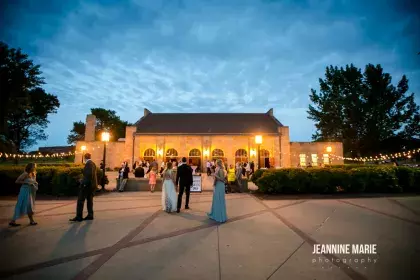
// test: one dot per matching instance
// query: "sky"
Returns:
(205, 55)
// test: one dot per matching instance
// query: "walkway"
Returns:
(131, 238)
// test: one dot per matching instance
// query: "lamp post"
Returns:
(258, 141)
(83, 148)
(105, 139)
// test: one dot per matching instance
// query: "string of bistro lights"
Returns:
(381, 157)
(38, 155)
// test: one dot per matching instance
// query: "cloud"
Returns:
(204, 56)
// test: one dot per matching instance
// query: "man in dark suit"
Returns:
(88, 186)
(185, 179)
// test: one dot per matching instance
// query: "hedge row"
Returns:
(335, 180)
(52, 180)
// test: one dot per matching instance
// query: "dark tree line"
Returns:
(364, 110)
(105, 120)
(24, 104)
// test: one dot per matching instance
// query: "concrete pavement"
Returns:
(273, 238)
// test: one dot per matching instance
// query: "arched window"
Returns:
(241, 155)
(194, 158)
(195, 153)
(264, 153)
(218, 153)
(171, 153)
(149, 153)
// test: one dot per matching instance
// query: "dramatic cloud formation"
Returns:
(206, 56)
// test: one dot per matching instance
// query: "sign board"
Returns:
(196, 186)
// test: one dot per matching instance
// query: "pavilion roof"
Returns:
(208, 123)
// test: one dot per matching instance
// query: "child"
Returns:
(152, 179)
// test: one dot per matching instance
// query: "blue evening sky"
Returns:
(205, 55)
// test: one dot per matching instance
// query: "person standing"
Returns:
(185, 179)
(152, 179)
(218, 205)
(208, 165)
(162, 168)
(25, 204)
(88, 186)
(152, 165)
(238, 176)
(123, 181)
(247, 170)
(231, 177)
(169, 202)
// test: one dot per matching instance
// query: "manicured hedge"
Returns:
(334, 180)
(52, 180)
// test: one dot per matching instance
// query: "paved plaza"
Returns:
(265, 238)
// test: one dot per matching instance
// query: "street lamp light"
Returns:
(258, 141)
(83, 148)
(105, 139)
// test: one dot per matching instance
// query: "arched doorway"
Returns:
(264, 158)
(171, 155)
(149, 154)
(194, 158)
(218, 154)
(241, 155)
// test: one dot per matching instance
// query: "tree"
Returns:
(105, 120)
(363, 109)
(77, 133)
(24, 106)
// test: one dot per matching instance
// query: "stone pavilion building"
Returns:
(207, 136)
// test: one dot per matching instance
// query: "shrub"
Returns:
(257, 174)
(52, 180)
(406, 178)
(370, 179)
(328, 180)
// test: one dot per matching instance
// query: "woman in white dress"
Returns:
(169, 199)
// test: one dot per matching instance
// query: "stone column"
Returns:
(90, 128)
(284, 146)
(160, 145)
(129, 144)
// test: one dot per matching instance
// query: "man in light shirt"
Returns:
(208, 165)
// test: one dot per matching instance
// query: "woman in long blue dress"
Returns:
(218, 206)
(25, 204)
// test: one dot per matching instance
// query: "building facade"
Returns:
(201, 137)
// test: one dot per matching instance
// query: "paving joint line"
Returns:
(218, 253)
(2, 220)
(37, 266)
(380, 212)
(404, 206)
(99, 262)
(277, 269)
(287, 205)
(349, 271)
(56, 207)
(58, 261)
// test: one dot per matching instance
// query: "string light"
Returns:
(381, 157)
(39, 155)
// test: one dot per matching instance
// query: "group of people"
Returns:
(173, 175)
(246, 168)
